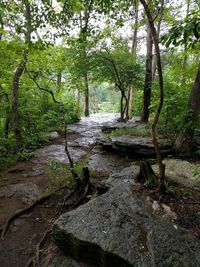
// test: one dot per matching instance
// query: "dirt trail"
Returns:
(23, 183)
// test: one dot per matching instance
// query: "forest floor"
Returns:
(25, 182)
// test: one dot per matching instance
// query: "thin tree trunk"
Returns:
(185, 59)
(162, 2)
(7, 122)
(59, 79)
(86, 95)
(184, 139)
(148, 78)
(121, 108)
(16, 79)
(1, 25)
(133, 51)
(128, 103)
(78, 97)
(135, 32)
(161, 98)
(15, 104)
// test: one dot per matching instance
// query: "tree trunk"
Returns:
(185, 59)
(16, 79)
(59, 79)
(1, 25)
(78, 98)
(128, 103)
(134, 41)
(160, 104)
(154, 67)
(184, 139)
(123, 106)
(148, 78)
(87, 113)
(15, 104)
(133, 50)
(7, 122)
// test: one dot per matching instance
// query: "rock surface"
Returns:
(126, 176)
(53, 135)
(183, 172)
(122, 125)
(121, 229)
(134, 146)
(27, 192)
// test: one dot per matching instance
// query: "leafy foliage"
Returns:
(185, 32)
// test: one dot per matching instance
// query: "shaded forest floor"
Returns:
(23, 183)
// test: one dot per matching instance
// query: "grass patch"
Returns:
(130, 132)
(59, 174)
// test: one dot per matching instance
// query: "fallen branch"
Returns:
(18, 213)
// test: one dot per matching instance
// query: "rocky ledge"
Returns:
(135, 147)
(121, 228)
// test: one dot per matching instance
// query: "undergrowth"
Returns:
(129, 131)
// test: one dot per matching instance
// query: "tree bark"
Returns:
(184, 139)
(15, 104)
(128, 103)
(161, 98)
(148, 78)
(84, 34)
(16, 79)
(154, 67)
(185, 59)
(135, 31)
(133, 50)
(59, 79)
(1, 25)
(87, 113)
(7, 122)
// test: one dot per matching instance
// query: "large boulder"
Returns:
(121, 229)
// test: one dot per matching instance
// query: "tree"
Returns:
(133, 50)
(18, 73)
(148, 77)
(184, 140)
(160, 104)
(186, 33)
(120, 68)
(150, 61)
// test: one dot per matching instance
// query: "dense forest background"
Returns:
(60, 60)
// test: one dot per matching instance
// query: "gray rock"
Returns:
(56, 152)
(53, 135)
(133, 123)
(135, 146)
(127, 175)
(27, 192)
(106, 163)
(119, 229)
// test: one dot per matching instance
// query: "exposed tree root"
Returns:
(18, 213)
(35, 260)
(83, 187)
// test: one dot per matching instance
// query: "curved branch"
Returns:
(41, 88)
